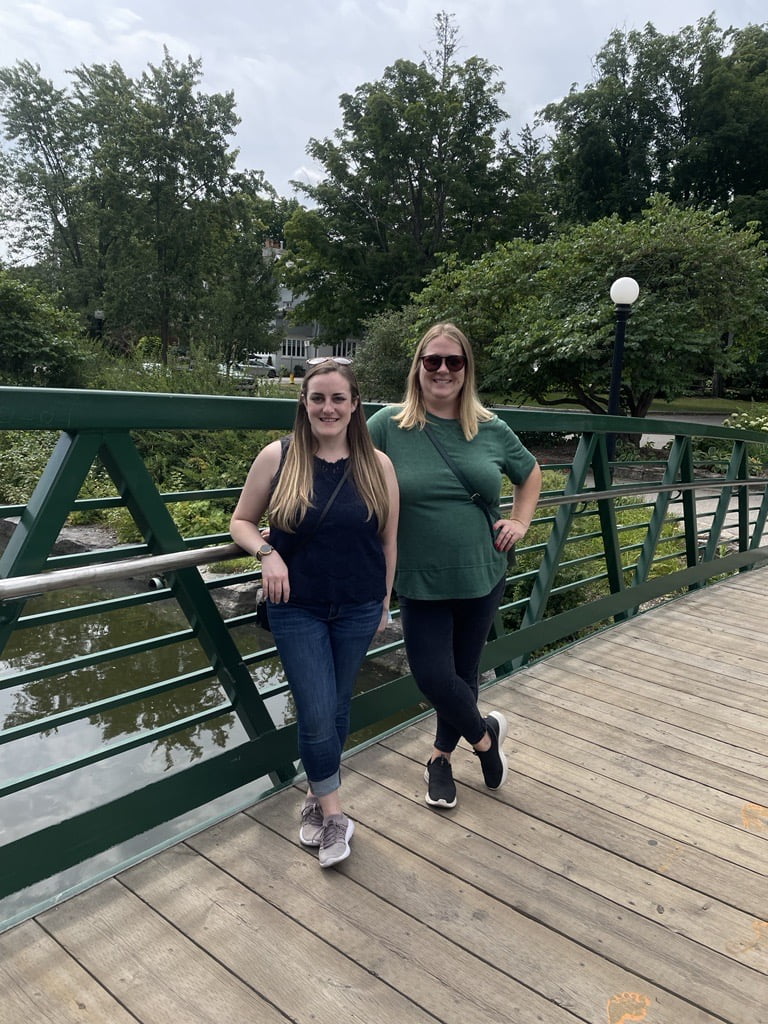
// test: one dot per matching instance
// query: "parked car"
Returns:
(257, 367)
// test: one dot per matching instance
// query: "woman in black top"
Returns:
(327, 572)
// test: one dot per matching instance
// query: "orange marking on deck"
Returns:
(626, 1007)
(758, 945)
(755, 817)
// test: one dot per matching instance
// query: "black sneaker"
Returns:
(492, 761)
(441, 789)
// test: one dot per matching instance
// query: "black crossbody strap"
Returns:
(331, 500)
(284, 444)
(474, 496)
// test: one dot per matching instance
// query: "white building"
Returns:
(299, 341)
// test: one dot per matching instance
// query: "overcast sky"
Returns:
(288, 61)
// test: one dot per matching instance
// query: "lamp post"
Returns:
(624, 292)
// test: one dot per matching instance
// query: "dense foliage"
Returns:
(124, 194)
(542, 316)
(120, 197)
(417, 168)
(40, 344)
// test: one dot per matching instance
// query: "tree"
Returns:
(414, 170)
(620, 139)
(125, 194)
(39, 344)
(44, 208)
(541, 313)
(683, 114)
(383, 358)
(726, 153)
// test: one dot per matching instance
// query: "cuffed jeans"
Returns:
(444, 641)
(322, 647)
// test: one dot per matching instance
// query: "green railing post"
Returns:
(129, 474)
(32, 541)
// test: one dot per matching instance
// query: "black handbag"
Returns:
(475, 498)
(262, 606)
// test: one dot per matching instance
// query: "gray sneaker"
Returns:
(334, 845)
(311, 831)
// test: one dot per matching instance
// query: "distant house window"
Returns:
(345, 348)
(294, 347)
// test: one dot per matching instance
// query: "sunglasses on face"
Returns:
(339, 360)
(434, 362)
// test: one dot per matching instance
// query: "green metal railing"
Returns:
(101, 754)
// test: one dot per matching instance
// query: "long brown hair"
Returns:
(293, 494)
(471, 410)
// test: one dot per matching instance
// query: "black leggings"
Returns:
(444, 641)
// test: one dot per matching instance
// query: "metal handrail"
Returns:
(19, 587)
(22, 587)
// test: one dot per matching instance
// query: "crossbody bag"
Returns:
(475, 498)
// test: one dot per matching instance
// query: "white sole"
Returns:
(436, 803)
(347, 836)
(503, 728)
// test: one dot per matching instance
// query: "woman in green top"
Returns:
(452, 561)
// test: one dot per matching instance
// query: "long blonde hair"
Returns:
(293, 494)
(471, 411)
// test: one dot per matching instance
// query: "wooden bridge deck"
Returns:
(620, 875)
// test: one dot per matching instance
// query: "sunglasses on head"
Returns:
(340, 360)
(434, 362)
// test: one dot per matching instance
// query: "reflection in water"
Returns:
(40, 699)
(37, 700)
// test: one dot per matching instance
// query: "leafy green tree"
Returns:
(174, 152)
(414, 170)
(383, 357)
(543, 319)
(124, 193)
(40, 344)
(725, 157)
(44, 206)
(622, 137)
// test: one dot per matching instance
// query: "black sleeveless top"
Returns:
(342, 562)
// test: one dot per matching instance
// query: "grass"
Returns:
(688, 404)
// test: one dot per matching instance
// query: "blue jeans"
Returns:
(444, 641)
(322, 647)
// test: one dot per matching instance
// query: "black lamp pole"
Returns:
(624, 291)
(623, 311)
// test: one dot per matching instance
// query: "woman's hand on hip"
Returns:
(508, 533)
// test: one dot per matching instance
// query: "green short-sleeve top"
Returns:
(445, 549)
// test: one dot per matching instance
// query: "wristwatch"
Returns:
(265, 549)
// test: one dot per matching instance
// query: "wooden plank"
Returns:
(721, 643)
(158, 974)
(688, 653)
(654, 670)
(635, 694)
(734, 621)
(616, 785)
(660, 654)
(306, 978)
(435, 973)
(647, 729)
(641, 891)
(41, 983)
(462, 885)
